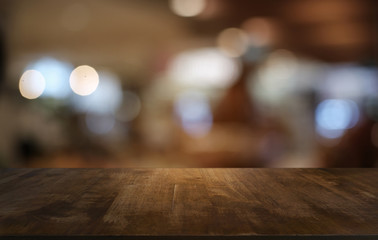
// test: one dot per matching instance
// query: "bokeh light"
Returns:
(194, 111)
(32, 84)
(206, 67)
(349, 81)
(233, 42)
(84, 80)
(99, 124)
(280, 64)
(56, 74)
(334, 116)
(275, 77)
(261, 31)
(105, 100)
(187, 8)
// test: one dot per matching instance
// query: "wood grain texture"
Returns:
(188, 202)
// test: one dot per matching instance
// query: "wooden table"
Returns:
(189, 203)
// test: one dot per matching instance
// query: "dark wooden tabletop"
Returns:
(189, 202)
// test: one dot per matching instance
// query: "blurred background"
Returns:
(188, 83)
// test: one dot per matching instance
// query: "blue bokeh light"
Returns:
(56, 74)
(105, 100)
(194, 112)
(334, 116)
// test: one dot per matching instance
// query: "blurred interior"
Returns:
(188, 83)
